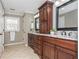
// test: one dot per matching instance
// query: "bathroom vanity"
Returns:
(53, 47)
(56, 46)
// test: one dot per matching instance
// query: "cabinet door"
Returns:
(63, 53)
(41, 17)
(43, 20)
(45, 13)
(49, 17)
(43, 27)
(30, 40)
(48, 51)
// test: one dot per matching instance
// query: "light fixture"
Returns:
(49, 0)
(57, 3)
(62, 0)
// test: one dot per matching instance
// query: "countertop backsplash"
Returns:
(70, 34)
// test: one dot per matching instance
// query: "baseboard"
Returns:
(14, 43)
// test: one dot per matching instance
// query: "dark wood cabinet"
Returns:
(43, 27)
(52, 48)
(35, 42)
(48, 51)
(30, 40)
(45, 16)
(63, 53)
(38, 45)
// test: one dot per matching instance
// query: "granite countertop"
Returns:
(55, 36)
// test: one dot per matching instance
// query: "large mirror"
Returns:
(37, 22)
(67, 16)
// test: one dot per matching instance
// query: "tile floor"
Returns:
(19, 52)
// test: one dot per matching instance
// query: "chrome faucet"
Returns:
(70, 33)
(63, 33)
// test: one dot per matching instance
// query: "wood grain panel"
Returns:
(45, 13)
(66, 44)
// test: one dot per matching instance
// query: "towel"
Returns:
(12, 36)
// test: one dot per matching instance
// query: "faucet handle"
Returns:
(70, 33)
(63, 33)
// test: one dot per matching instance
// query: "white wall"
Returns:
(54, 16)
(22, 35)
(28, 18)
(1, 24)
(1, 10)
(18, 35)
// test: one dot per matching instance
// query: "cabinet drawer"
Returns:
(66, 44)
(37, 46)
(49, 40)
(38, 41)
(65, 50)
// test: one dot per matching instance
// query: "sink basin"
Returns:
(64, 37)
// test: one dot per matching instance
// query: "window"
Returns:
(12, 23)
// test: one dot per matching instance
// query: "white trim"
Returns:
(26, 45)
(14, 43)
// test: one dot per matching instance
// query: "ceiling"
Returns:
(22, 6)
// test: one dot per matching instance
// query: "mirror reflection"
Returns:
(68, 15)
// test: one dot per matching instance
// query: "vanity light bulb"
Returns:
(57, 3)
(49, 0)
(62, 0)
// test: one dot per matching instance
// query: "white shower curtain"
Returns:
(12, 36)
(12, 25)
